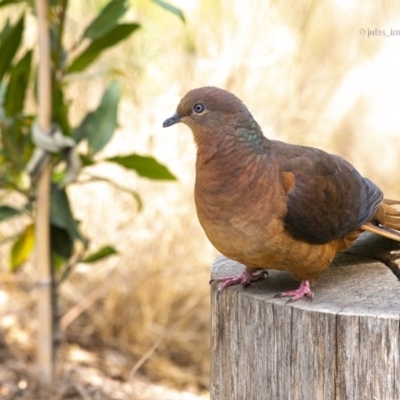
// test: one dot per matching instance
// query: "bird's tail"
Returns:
(386, 221)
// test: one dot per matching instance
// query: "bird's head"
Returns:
(207, 109)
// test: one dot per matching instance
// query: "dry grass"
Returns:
(307, 75)
(98, 373)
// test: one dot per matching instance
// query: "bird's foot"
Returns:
(245, 278)
(303, 290)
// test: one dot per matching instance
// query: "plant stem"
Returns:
(43, 266)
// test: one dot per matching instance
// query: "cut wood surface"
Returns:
(344, 344)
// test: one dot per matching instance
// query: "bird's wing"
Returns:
(328, 198)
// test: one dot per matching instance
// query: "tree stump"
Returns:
(344, 344)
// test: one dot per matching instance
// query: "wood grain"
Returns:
(344, 344)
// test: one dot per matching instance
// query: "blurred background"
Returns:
(324, 73)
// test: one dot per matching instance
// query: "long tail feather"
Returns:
(388, 214)
(382, 231)
(386, 221)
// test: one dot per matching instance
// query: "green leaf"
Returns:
(148, 167)
(96, 47)
(16, 89)
(98, 126)
(106, 20)
(170, 8)
(18, 147)
(5, 31)
(22, 247)
(57, 261)
(86, 160)
(3, 88)
(8, 2)
(61, 214)
(9, 46)
(61, 243)
(60, 109)
(7, 212)
(104, 252)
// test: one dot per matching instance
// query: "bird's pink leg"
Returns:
(245, 278)
(303, 290)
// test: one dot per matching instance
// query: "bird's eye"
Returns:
(198, 108)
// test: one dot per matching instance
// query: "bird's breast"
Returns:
(236, 202)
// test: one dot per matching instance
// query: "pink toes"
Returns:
(245, 278)
(303, 290)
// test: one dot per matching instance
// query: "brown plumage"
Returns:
(269, 204)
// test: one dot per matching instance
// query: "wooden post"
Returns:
(45, 346)
(343, 345)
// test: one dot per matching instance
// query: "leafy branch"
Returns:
(17, 78)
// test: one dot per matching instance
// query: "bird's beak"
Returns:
(171, 121)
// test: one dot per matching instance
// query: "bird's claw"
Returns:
(245, 278)
(303, 290)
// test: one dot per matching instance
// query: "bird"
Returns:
(273, 205)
